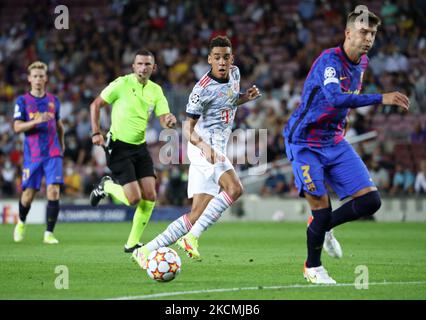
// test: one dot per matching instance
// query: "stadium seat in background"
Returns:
(401, 148)
(419, 150)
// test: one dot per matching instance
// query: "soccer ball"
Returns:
(163, 264)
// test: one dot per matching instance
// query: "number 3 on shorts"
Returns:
(306, 174)
(308, 180)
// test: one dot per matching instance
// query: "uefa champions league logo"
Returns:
(329, 72)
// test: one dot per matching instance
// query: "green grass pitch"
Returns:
(241, 260)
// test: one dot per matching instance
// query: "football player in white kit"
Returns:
(210, 114)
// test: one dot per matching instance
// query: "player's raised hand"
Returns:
(253, 92)
(396, 98)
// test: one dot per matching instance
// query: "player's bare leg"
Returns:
(230, 182)
(133, 192)
(364, 191)
(130, 194)
(28, 196)
(199, 204)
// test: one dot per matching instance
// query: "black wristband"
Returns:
(95, 134)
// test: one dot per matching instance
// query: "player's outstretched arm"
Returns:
(329, 74)
(168, 120)
(251, 94)
(95, 109)
(396, 98)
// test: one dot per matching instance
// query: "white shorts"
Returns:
(203, 176)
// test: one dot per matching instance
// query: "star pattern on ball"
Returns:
(160, 257)
(163, 264)
(173, 267)
(157, 274)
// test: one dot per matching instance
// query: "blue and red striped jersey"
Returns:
(331, 88)
(42, 141)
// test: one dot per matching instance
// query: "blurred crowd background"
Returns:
(274, 44)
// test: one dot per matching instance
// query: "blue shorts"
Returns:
(339, 166)
(32, 173)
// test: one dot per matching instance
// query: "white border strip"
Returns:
(294, 286)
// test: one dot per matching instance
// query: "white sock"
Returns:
(174, 231)
(212, 213)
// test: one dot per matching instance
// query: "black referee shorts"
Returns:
(129, 162)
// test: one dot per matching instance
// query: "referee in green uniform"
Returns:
(133, 97)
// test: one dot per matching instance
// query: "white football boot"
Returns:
(19, 231)
(49, 238)
(317, 275)
(332, 246)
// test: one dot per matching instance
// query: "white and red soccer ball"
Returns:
(163, 264)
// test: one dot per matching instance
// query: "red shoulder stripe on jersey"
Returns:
(205, 82)
(202, 79)
(201, 82)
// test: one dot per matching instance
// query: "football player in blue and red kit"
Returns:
(315, 142)
(37, 116)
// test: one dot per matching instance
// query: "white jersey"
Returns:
(214, 101)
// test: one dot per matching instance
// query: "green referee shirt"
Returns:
(132, 104)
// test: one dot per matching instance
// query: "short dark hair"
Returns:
(220, 41)
(143, 52)
(373, 20)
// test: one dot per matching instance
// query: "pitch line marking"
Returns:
(294, 286)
